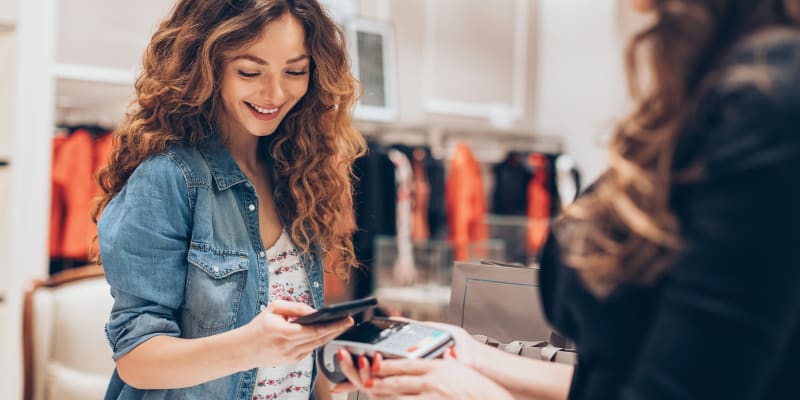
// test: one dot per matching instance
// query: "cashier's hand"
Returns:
(441, 379)
(273, 338)
(466, 347)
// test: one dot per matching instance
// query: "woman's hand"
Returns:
(278, 341)
(442, 379)
(467, 348)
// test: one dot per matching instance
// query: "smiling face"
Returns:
(262, 81)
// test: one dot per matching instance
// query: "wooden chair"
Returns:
(65, 352)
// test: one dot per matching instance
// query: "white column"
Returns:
(30, 173)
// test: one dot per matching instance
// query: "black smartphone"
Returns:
(338, 311)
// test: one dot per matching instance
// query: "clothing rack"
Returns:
(440, 139)
(517, 140)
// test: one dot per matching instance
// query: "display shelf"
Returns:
(92, 73)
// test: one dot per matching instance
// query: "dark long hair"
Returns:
(624, 230)
(178, 92)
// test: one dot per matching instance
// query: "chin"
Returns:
(263, 133)
(260, 131)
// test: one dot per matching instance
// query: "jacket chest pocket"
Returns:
(214, 286)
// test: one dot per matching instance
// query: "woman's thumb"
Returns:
(289, 308)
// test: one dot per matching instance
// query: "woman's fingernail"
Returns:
(376, 365)
(340, 355)
(368, 384)
(452, 351)
(362, 362)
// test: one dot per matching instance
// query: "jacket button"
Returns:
(215, 268)
(262, 307)
(262, 254)
(251, 207)
(316, 284)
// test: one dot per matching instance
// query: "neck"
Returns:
(243, 147)
(244, 150)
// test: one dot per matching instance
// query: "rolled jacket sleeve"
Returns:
(144, 235)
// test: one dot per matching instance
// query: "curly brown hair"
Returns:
(178, 92)
(623, 230)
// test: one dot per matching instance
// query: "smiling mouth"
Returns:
(260, 110)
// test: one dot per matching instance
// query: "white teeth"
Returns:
(263, 110)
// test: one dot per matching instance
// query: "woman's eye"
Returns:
(248, 74)
(297, 73)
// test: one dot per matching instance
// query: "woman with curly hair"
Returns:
(229, 183)
(677, 273)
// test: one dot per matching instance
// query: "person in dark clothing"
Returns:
(676, 273)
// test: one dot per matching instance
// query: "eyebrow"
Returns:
(259, 61)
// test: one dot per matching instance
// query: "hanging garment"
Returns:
(568, 179)
(57, 203)
(437, 212)
(404, 271)
(538, 203)
(511, 177)
(375, 204)
(466, 202)
(422, 194)
(75, 165)
(434, 175)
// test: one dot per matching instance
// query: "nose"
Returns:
(272, 89)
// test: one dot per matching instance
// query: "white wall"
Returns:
(580, 87)
(7, 81)
(407, 17)
(29, 194)
(8, 10)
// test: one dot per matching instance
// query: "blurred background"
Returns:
(528, 89)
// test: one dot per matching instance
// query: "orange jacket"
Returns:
(466, 202)
(57, 212)
(76, 160)
(538, 203)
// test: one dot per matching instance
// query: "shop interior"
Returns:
(527, 90)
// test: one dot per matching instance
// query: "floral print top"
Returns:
(287, 281)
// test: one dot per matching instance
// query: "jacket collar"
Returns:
(224, 170)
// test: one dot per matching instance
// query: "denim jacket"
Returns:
(182, 252)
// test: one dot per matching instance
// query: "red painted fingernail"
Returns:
(376, 365)
(368, 384)
(452, 351)
(339, 355)
(362, 362)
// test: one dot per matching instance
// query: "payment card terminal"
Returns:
(390, 338)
